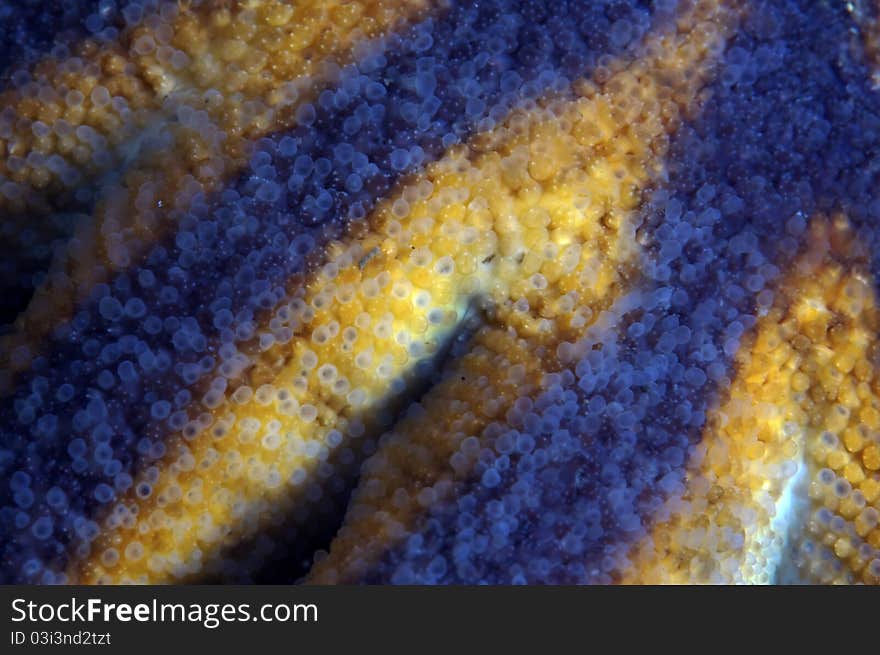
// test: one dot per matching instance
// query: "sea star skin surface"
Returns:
(514, 292)
(162, 112)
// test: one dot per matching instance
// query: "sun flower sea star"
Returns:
(436, 292)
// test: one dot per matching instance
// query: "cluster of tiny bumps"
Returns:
(423, 291)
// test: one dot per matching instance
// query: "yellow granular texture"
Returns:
(163, 114)
(840, 383)
(555, 295)
(416, 465)
(239, 61)
(787, 471)
(532, 220)
(393, 297)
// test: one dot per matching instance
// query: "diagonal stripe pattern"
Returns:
(411, 292)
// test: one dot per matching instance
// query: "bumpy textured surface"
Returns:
(404, 291)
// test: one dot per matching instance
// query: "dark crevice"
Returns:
(284, 553)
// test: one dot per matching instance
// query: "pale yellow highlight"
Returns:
(248, 65)
(805, 398)
(487, 223)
